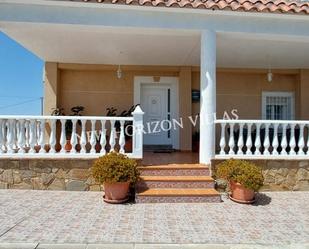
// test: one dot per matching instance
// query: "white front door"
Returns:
(155, 102)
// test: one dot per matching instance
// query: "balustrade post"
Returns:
(249, 140)
(266, 143)
(222, 139)
(32, 136)
(83, 139)
(93, 139)
(284, 142)
(52, 138)
(137, 139)
(301, 142)
(2, 140)
(275, 142)
(112, 138)
(240, 142)
(63, 139)
(73, 140)
(292, 140)
(103, 137)
(231, 140)
(42, 136)
(21, 137)
(257, 142)
(122, 137)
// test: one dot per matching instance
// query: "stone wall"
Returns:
(280, 174)
(61, 174)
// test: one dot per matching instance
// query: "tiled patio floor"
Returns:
(82, 217)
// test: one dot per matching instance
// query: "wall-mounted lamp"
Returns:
(269, 76)
(119, 72)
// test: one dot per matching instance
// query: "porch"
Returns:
(242, 88)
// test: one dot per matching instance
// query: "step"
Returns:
(175, 170)
(176, 182)
(177, 196)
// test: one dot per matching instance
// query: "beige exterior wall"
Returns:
(241, 90)
(96, 87)
(51, 91)
(304, 94)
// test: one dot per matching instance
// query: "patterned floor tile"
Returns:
(82, 217)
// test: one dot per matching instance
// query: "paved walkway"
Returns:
(28, 216)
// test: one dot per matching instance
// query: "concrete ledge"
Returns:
(149, 246)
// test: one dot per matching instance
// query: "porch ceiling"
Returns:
(101, 45)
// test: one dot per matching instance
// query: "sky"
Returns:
(21, 81)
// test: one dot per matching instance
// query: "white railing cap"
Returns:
(259, 121)
(138, 110)
(26, 117)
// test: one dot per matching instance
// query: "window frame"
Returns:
(266, 94)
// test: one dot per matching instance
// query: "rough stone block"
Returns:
(95, 188)
(78, 174)
(12, 164)
(90, 181)
(22, 185)
(61, 174)
(7, 176)
(40, 166)
(81, 164)
(302, 185)
(57, 184)
(274, 164)
(302, 174)
(37, 183)
(26, 175)
(47, 178)
(17, 177)
(24, 164)
(75, 185)
(303, 164)
(3, 185)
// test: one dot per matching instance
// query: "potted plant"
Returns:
(128, 129)
(116, 172)
(76, 111)
(245, 178)
(58, 112)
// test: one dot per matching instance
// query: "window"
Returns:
(278, 105)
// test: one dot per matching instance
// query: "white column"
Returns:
(137, 139)
(208, 96)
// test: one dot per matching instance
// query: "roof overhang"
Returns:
(69, 32)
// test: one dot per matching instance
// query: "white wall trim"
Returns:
(174, 83)
(266, 94)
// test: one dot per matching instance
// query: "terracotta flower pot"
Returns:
(240, 193)
(116, 192)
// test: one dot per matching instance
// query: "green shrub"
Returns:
(115, 167)
(243, 172)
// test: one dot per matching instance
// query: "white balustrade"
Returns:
(263, 139)
(47, 136)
